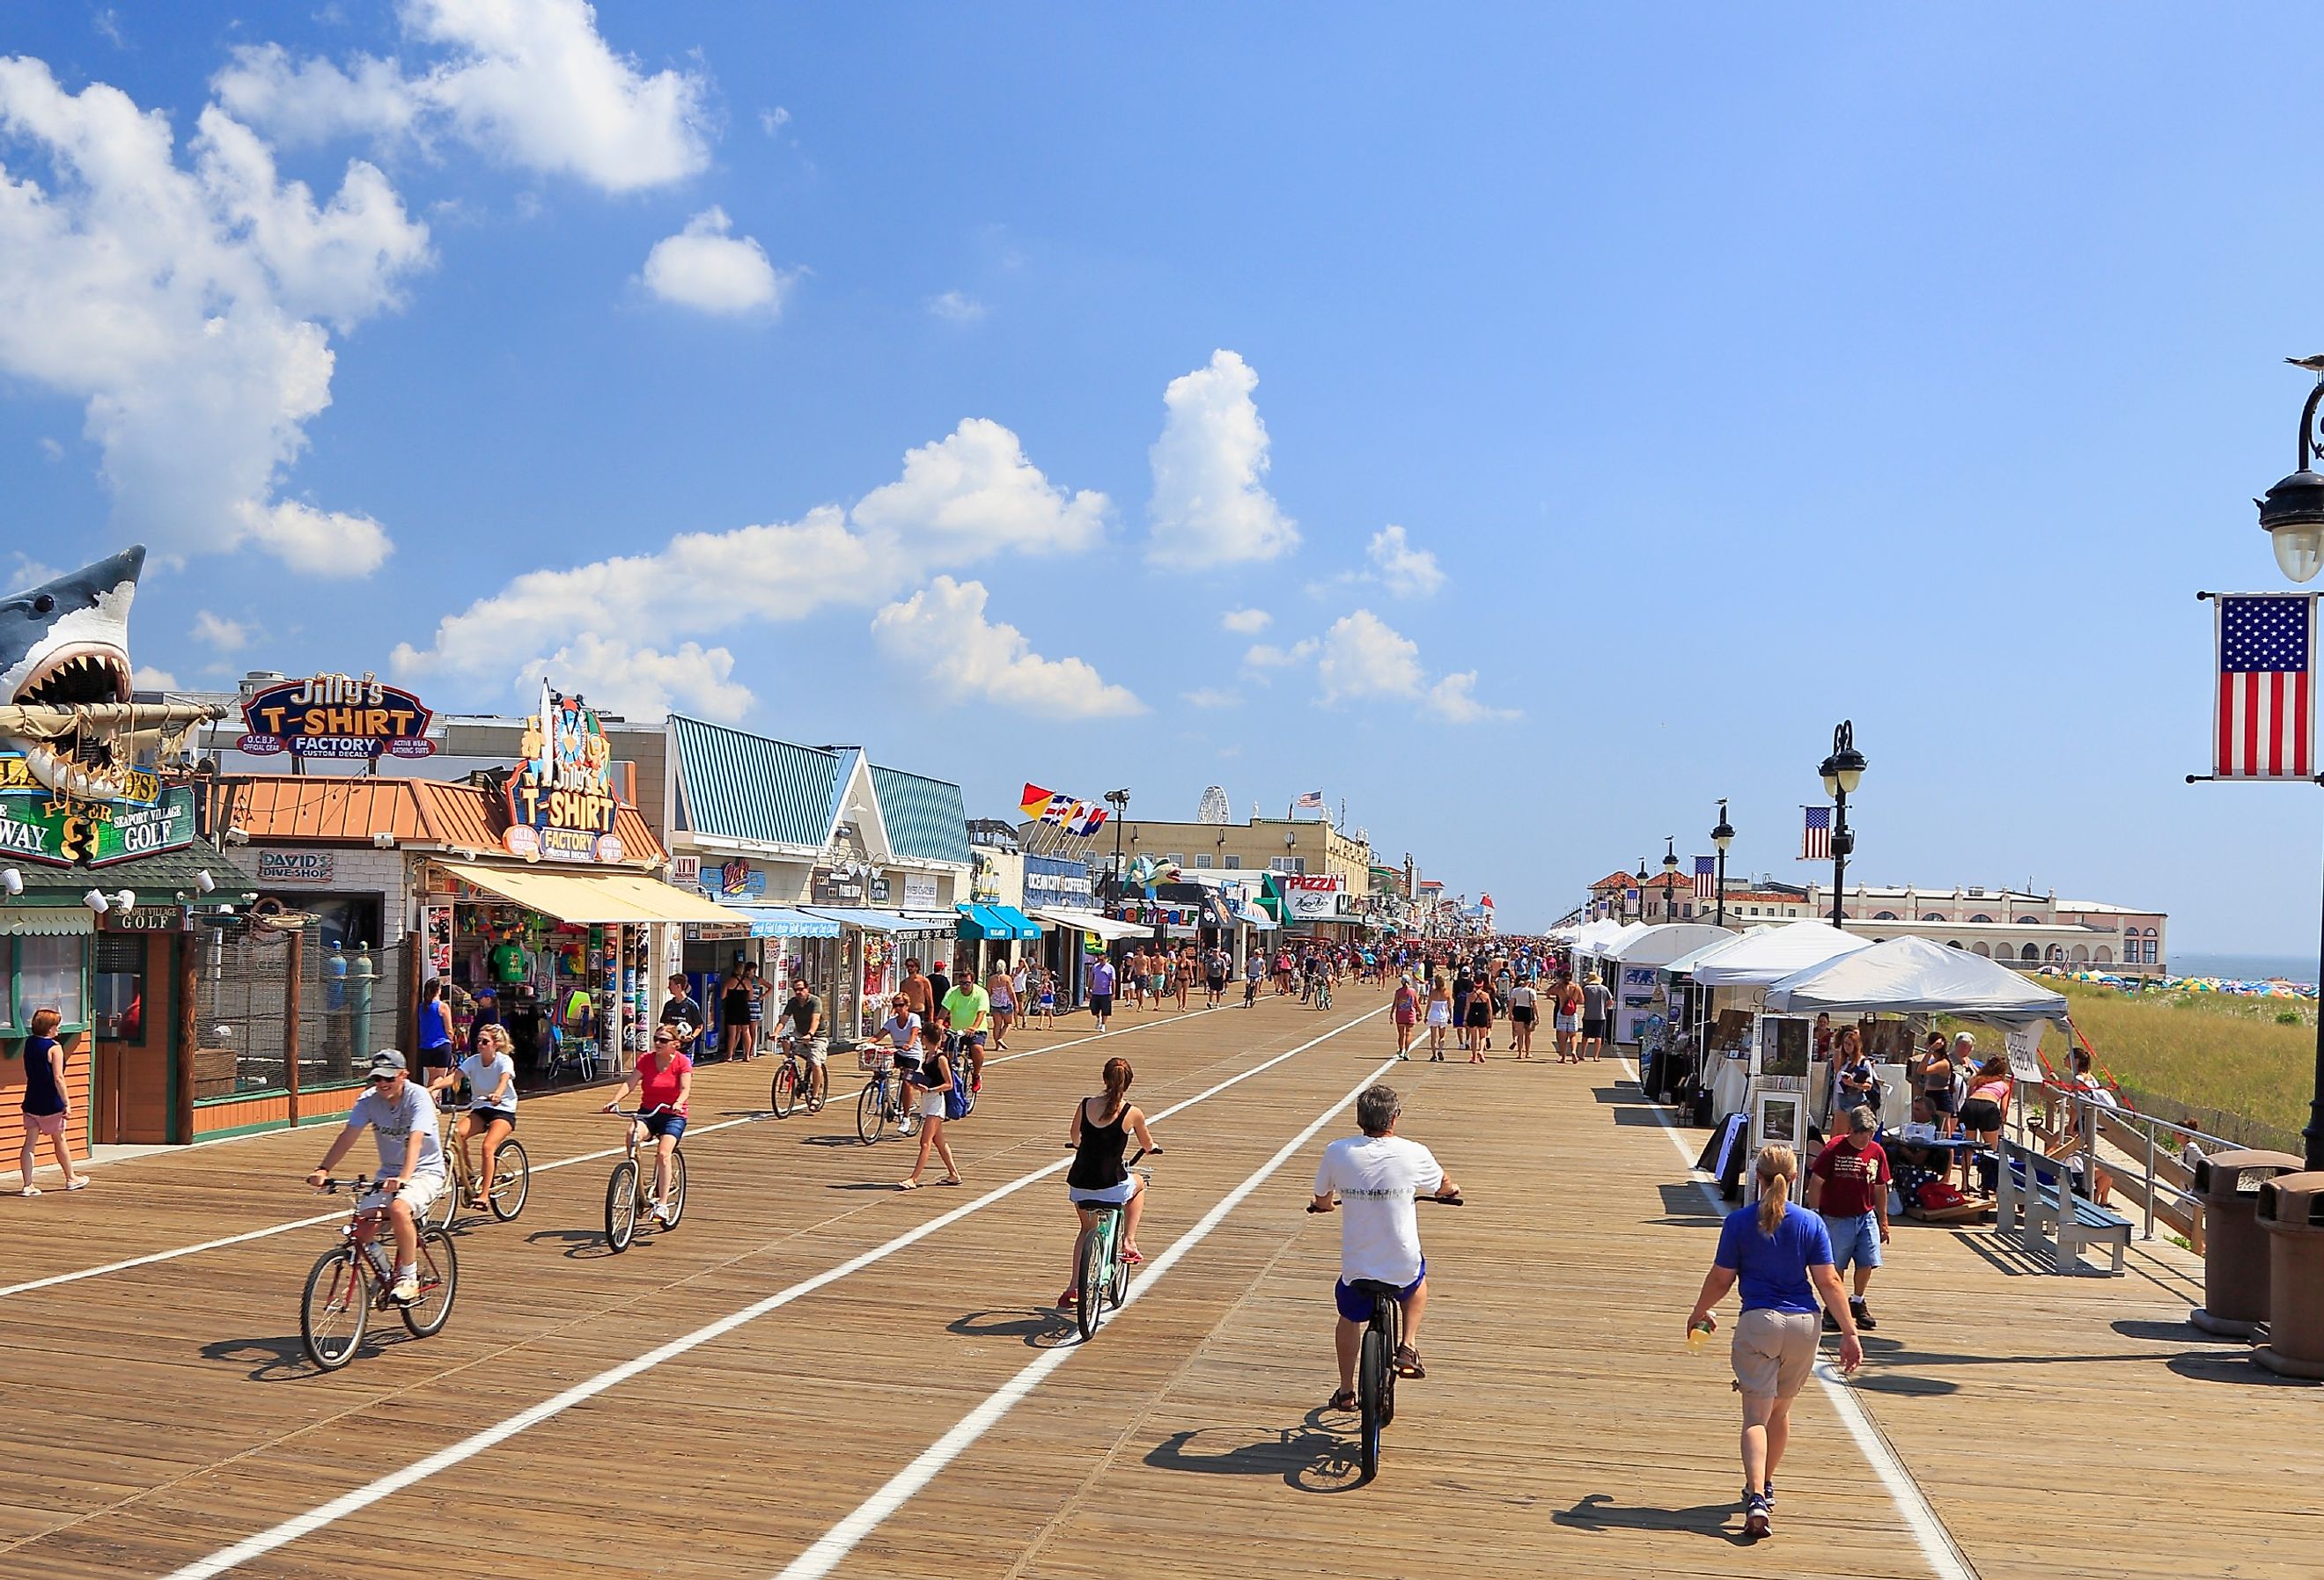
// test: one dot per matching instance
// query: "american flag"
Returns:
(2266, 727)
(1706, 884)
(1815, 835)
(1313, 798)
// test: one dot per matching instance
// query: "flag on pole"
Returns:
(1035, 801)
(1706, 884)
(1486, 900)
(1087, 818)
(1815, 835)
(2265, 725)
(1312, 802)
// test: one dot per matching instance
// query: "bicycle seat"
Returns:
(1377, 1290)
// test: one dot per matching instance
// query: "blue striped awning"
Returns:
(733, 785)
(1001, 923)
(780, 922)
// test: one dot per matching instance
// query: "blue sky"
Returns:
(1726, 374)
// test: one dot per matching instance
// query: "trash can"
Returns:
(2234, 1247)
(2292, 1214)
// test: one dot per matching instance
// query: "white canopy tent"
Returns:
(1777, 953)
(1685, 963)
(1661, 945)
(1906, 976)
(1587, 937)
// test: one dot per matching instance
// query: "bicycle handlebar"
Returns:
(1442, 1201)
(640, 1114)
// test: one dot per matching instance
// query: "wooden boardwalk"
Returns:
(162, 1412)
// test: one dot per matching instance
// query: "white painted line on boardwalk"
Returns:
(1946, 1559)
(176, 1251)
(900, 1488)
(468, 1448)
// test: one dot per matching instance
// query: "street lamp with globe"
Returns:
(1842, 771)
(1722, 836)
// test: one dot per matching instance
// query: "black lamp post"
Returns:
(1642, 888)
(1119, 800)
(1842, 771)
(1721, 836)
(1669, 877)
(2292, 515)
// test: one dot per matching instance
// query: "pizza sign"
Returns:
(335, 715)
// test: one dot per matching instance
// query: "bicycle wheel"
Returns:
(622, 1204)
(870, 1110)
(1118, 1289)
(1375, 1368)
(332, 1312)
(439, 1285)
(785, 1096)
(511, 1179)
(1090, 1285)
(446, 1205)
(674, 1203)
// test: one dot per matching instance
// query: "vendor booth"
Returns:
(1636, 961)
(1732, 982)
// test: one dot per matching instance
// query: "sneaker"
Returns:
(1831, 1323)
(30, 1190)
(666, 1213)
(1863, 1314)
(79, 1182)
(1758, 1518)
(406, 1289)
(1769, 1493)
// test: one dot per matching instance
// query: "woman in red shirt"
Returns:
(661, 1084)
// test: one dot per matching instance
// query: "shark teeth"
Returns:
(63, 776)
(87, 674)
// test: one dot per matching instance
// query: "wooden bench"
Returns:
(2036, 1202)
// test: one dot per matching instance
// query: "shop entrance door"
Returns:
(130, 1087)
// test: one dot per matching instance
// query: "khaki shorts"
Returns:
(1775, 1351)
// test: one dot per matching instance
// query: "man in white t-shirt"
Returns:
(401, 1119)
(1376, 1176)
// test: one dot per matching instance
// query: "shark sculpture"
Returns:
(64, 679)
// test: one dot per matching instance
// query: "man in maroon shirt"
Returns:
(1850, 1187)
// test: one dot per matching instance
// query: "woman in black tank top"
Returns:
(1100, 1135)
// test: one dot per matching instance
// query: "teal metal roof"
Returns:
(738, 786)
(926, 818)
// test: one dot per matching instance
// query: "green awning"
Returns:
(996, 923)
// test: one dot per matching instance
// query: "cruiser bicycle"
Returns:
(887, 1101)
(1101, 1260)
(357, 1276)
(794, 1081)
(512, 1182)
(629, 1201)
(1376, 1361)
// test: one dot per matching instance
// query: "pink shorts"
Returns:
(44, 1125)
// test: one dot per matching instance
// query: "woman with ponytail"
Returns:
(1781, 1255)
(1099, 1135)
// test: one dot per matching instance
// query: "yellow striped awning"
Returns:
(590, 897)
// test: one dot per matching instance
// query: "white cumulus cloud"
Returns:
(705, 268)
(960, 499)
(972, 493)
(1211, 697)
(1210, 506)
(225, 635)
(1400, 567)
(1364, 656)
(1245, 622)
(956, 307)
(531, 83)
(1266, 655)
(643, 682)
(942, 631)
(189, 306)
(1455, 698)
(146, 677)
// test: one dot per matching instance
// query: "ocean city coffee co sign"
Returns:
(335, 715)
(560, 798)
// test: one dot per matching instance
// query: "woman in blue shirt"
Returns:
(1781, 1255)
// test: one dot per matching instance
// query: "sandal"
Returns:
(1407, 1362)
(907, 1185)
(1069, 1299)
(1134, 1257)
(951, 1179)
(1344, 1401)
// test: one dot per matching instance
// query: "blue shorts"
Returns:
(1854, 1241)
(1357, 1307)
(672, 1125)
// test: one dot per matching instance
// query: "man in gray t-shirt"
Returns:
(1597, 1001)
(401, 1118)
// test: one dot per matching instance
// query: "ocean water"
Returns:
(2245, 967)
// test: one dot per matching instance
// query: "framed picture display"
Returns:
(1779, 1117)
(1784, 1044)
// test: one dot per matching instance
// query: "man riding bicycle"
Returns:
(403, 1121)
(802, 1027)
(1376, 1176)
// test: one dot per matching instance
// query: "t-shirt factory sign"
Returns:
(335, 715)
(560, 798)
(38, 825)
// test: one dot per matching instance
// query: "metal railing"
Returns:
(2157, 1147)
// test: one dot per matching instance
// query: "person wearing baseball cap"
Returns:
(401, 1118)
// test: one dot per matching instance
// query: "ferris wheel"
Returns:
(1214, 808)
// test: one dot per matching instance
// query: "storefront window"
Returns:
(47, 977)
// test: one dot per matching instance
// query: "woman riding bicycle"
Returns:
(490, 1074)
(661, 1084)
(1099, 1135)
(902, 1030)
